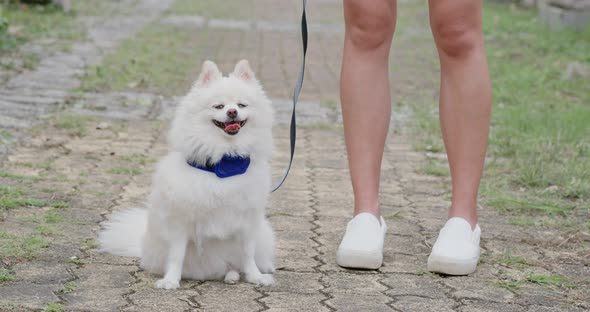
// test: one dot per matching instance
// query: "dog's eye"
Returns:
(242, 105)
(218, 106)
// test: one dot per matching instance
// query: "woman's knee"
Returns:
(369, 23)
(456, 26)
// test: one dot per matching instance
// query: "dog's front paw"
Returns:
(232, 277)
(167, 284)
(267, 268)
(260, 279)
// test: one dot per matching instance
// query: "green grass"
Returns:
(323, 11)
(212, 9)
(554, 280)
(59, 205)
(47, 224)
(89, 243)
(12, 176)
(540, 136)
(162, 59)
(7, 306)
(45, 220)
(74, 125)
(508, 204)
(49, 216)
(540, 122)
(510, 285)
(6, 276)
(24, 23)
(14, 197)
(434, 168)
(522, 221)
(48, 230)
(330, 104)
(21, 246)
(394, 215)
(5, 136)
(104, 7)
(124, 171)
(67, 288)
(53, 217)
(426, 129)
(76, 261)
(425, 273)
(138, 159)
(512, 261)
(544, 280)
(46, 165)
(54, 307)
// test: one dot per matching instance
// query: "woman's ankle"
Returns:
(374, 210)
(470, 216)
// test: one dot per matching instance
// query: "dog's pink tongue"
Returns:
(232, 127)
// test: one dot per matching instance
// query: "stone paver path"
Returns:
(108, 163)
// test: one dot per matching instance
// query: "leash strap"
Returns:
(296, 91)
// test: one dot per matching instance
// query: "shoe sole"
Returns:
(359, 260)
(451, 266)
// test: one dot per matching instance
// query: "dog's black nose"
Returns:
(232, 113)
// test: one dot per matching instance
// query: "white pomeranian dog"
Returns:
(205, 214)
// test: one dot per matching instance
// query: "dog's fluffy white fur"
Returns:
(196, 225)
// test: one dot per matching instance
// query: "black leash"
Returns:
(296, 91)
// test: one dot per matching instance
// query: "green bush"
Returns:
(3, 25)
(21, 23)
(39, 2)
(6, 41)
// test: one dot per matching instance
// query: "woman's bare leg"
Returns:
(465, 97)
(365, 95)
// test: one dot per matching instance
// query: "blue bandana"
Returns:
(228, 166)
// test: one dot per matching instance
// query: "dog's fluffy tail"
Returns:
(122, 234)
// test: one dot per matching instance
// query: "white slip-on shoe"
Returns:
(362, 244)
(456, 250)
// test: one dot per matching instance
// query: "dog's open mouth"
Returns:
(230, 127)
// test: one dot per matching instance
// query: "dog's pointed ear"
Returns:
(209, 73)
(243, 71)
